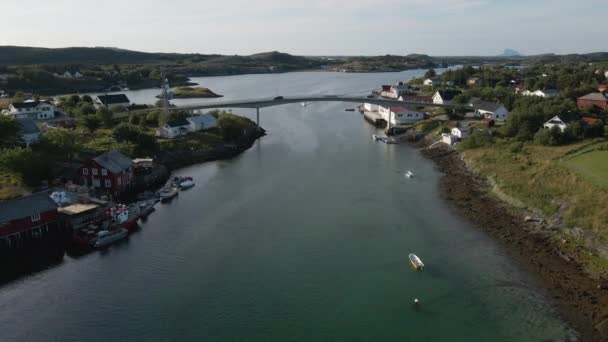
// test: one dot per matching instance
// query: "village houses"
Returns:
(489, 110)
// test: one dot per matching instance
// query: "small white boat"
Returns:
(186, 185)
(409, 174)
(167, 194)
(108, 237)
(375, 137)
(304, 104)
(416, 262)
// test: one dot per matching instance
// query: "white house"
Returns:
(460, 132)
(202, 122)
(562, 120)
(370, 107)
(606, 74)
(490, 110)
(36, 110)
(174, 128)
(445, 96)
(179, 127)
(30, 133)
(542, 93)
(432, 81)
(447, 138)
(400, 115)
(112, 101)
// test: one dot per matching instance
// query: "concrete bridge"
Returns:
(279, 101)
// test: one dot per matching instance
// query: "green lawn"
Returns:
(592, 165)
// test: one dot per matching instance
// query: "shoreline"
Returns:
(581, 300)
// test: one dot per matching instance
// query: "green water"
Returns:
(305, 237)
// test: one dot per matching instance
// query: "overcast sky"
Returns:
(311, 27)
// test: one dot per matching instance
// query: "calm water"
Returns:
(304, 237)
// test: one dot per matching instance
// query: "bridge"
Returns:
(279, 101)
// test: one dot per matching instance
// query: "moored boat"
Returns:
(167, 194)
(125, 217)
(416, 262)
(108, 237)
(146, 208)
(186, 185)
(409, 174)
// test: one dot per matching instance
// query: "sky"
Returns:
(310, 27)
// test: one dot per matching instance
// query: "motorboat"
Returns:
(146, 208)
(187, 184)
(409, 174)
(108, 237)
(416, 262)
(167, 194)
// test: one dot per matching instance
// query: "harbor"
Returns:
(279, 242)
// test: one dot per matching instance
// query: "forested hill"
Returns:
(18, 55)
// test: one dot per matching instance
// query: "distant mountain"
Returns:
(510, 53)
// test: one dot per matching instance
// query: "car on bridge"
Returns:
(279, 98)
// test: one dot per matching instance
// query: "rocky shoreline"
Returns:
(581, 300)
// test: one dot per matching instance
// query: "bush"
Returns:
(477, 139)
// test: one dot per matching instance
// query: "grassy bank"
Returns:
(566, 184)
(194, 92)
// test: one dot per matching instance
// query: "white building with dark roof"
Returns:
(35, 110)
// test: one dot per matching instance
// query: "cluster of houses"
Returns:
(37, 215)
(68, 74)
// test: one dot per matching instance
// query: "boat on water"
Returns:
(349, 109)
(146, 208)
(185, 185)
(409, 174)
(416, 262)
(125, 217)
(108, 237)
(167, 194)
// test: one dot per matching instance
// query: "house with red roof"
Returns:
(592, 100)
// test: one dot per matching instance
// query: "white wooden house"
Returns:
(562, 121)
(35, 110)
(400, 115)
(445, 96)
(201, 122)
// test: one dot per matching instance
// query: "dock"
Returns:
(374, 118)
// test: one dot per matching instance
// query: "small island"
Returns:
(194, 92)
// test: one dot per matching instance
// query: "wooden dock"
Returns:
(374, 118)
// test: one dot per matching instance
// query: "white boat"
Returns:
(167, 194)
(416, 262)
(108, 237)
(186, 185)
(409, 174)
(375, 137)
(304, 104)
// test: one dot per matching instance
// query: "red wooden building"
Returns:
(598, 100)
(27, 218)
(111, 172)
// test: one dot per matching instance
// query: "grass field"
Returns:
(555, 180)
(565, 181)
(592, 165)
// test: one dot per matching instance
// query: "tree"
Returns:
(9, 132)
(152, 118)
(134, 119)
(91, 122)
(67, 142)
(21, 162)
(128, 133)
(105, 116)
(86, 108)
(87, 99)
(430, 73)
